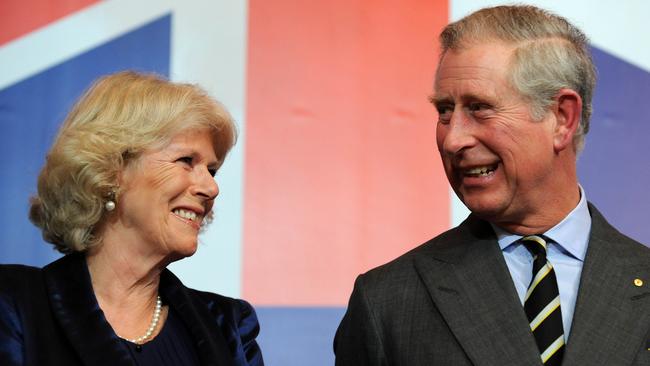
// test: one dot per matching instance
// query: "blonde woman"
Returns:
(125, 190)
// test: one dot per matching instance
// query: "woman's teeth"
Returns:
(190, 215)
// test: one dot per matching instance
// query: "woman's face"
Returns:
(166, 194)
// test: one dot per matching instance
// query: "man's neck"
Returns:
(542, 220)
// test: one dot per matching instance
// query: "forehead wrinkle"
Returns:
(482, 83)
(461, 74)
(482, 66)
(470, 69)
(469, 73)
(464, 92)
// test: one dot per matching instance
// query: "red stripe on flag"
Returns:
(342, 170)
(20, 17)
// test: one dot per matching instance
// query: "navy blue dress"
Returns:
(50, 316)
(172, 346)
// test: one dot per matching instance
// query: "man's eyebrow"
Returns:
(475, 97)
(466, 98)
(435, 100)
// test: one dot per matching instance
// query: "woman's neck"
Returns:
(126, 288)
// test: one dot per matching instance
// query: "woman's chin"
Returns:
(183, 252)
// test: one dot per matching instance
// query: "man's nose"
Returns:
(458, 134)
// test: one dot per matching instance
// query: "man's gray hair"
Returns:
(550, 54)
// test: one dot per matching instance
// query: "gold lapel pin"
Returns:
(638, 282)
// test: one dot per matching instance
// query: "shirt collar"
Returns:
(571, 234)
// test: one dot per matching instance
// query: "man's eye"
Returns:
(444, 113)
(212, 172)
(478, 107)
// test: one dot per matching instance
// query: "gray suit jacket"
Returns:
(452, 302)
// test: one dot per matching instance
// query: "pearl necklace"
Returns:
(152, 326)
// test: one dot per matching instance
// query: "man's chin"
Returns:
(486, 210)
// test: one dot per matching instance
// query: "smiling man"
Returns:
(535, 275)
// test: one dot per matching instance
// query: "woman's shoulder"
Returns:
(17, 277)
(235, 318)
(22, 292)
(17, 282)
(18, 287)
(230, 313)
(237, 309)
(18, 269)
(232, 309)
(243, 324)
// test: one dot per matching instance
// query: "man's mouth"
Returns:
(479, 171)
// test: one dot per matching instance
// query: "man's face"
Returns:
(498, 160)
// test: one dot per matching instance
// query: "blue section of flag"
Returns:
(614, 166)
(298, 336)
(32, 110)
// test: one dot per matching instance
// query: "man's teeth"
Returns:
(480, 171)
(190, 215)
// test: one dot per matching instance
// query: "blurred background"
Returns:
(336, 169)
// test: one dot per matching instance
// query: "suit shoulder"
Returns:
(624, 246)
(637, 248)
(448, 243)
(630, 248)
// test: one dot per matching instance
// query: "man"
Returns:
(535, 275)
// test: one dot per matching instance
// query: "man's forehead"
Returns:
(475, 70)
(470, 84)
(489, 54)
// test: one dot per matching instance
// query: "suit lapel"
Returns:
(75, 309)
(611, 319)
(203, 326)
(469, 281)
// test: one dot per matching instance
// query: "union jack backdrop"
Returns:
(336, 169)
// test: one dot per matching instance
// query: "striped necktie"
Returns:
(542, 304)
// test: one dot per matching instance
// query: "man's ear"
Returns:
(568, 113)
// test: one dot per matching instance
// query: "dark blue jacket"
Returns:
(50, 316)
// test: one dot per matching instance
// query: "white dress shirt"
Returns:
(566, 251)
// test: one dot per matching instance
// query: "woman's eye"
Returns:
(186, 160)
(212, 172)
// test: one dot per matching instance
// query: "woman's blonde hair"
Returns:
(119, 117)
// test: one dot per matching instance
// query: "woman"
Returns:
(125, 191)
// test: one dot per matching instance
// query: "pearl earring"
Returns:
(109, 205)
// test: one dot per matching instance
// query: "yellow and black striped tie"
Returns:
(542, 304)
